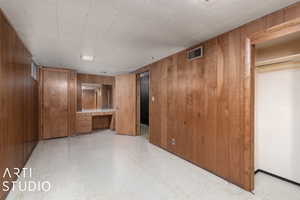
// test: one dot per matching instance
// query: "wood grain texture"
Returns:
(203, 109)
(57, 93)
(18, 102)
(275, 51)
(96, 79)
(55, 104)
(84, 123)
(126, 104)
(72, 101)
(276, 31)
(89, 99)
(278, 67)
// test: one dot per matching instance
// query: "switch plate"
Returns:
(173, 141)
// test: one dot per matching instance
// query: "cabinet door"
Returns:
(126, 104)
(55, 104)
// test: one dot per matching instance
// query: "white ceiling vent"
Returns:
(195, 53)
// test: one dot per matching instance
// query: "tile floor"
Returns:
(105, 166)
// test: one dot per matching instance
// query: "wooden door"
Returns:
(126, 104)
(55, 107)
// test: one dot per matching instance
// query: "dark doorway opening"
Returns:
(144, 104)
(145, 98)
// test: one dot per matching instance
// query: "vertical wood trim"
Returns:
(149, 127)
(41, 100)
(138, 105)
(69, 104)
(248, 124)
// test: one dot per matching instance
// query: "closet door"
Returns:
(55, 106)
(126, 104)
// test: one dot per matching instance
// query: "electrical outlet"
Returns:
(173, 141)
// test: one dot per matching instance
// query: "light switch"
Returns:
(152, 98)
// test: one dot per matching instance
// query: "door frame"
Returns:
(138, 101)
(274, 32)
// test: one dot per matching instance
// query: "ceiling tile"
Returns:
(123, 35)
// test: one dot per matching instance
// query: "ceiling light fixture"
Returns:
(87, 58)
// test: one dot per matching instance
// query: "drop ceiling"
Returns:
(123, 35)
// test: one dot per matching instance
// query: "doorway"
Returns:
(143, 103)
(276, 108)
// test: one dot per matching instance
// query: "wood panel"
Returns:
(278, 67)
(158, 95)
(57, 92)
(96, 79)
(89, 99)
(278, 51)
(18, 102)
(126, 104)
(73, 101)
(55, 104)
(84, 123)
(203, 109)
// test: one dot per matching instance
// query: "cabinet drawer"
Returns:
(83, 123)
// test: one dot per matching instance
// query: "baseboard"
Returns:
(276, 176)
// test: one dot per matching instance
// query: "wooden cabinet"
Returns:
(86, 122)
(57, 102)
(83, 123)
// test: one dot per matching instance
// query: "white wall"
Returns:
(277, 134)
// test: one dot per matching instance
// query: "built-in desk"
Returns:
(89, 120)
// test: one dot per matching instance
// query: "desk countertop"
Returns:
(96, 111)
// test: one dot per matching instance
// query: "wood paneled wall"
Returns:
(203, 106)
(97, 79)
(18, 102)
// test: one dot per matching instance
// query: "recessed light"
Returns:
(87, 58)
